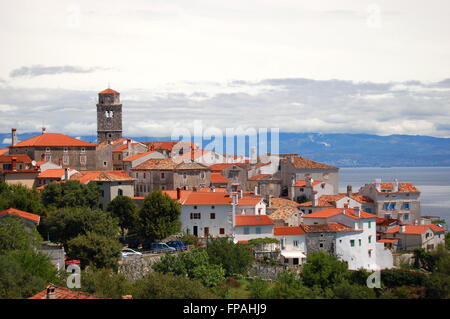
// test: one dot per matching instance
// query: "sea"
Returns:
(433, 182)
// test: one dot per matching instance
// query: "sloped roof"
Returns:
(135, 157)
(20, 158)
(101, 176)
(330, 200)
(402, 188)
(277, 202)
(264, 177)
(301, 162)
(3, 151)
(328, 228)
(191, 165)
(52, 139)
(52, 173)
(302, 183)
(283, 213)
(20, 213)
(208, 198)
(64, 293)
(253, 220)
(218, 178)
(249, 201)
(108, 91)
(157, 164)
(415, 229)
(288, 231)
(330, 212)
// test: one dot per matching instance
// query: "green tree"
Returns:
(234, 258)
(125, 210)
(438, 286)
(392, 278)
(71, 194)
(15, 236)
(105, 283)
(20, 197)
(447, 241)
(323, 270)
(65, 224)
(24, 273)
(194, 264)
(168, 286)
(346, 290)
(159, 216)
(259, 289)
(95, 249)
(289, 286)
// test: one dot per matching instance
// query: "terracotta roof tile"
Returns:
(157, 164)
(301, 162)
(135, 157)
(218, 178)
(249, 201)
(15, 212)
(288, 230)
(415, 229)
(330, 212)
(208, 198)
(402, 188)
(328, 228)
(253, 220)
(302, 183)
(52, 139)
(283, 213)
(20, 158)
(108, 91)
(101, 176)
(64, 293)
(277, 202)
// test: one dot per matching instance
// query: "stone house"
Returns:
(410, 237)
(235, 173)
(394, 200)
(265, 185)
(307, 189)
(126, 150)
(296, 168)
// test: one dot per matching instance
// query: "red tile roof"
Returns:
(386, 221)
(52, 139)
(415, 229)
(328, 228)
(218, 178)
(330, 212)
(52, 173)
(301, 162)
(330, 200)
(260, 177)
(288, 230)
(122, 147)
(101, 176)
(402, 188)
(249, 201)
(15, 212)
(64, 293)
(3, 151)
(302, 183)
(108, 91)
(135, 157)
(220, 167)
(156, 164)
(253, 220)
(388, 240)
(208, 198)
(20, 158)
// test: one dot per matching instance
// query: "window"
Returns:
(48, 158)
(406, 217)
(246, 230)
(105, 164)
(370, 253)
(295, 243)
(212, 207)
(120, 192)
(195, 216)
(163, 176)
(47, 149)
(202, 174)
(184, 175)
(66, 150)
(195, 207)
(212, 216)
(359, 240)
(103, 193)
(406, 206)
(83, 150)
(83, 159)
(302, 189)
(352, 243)
(222, 231)
(386, 206)
(392, 206)
(369, 224)
(321, 245)
(258, 230)
(66, 160)
(370, 239)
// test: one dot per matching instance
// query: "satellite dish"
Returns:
(33, 163)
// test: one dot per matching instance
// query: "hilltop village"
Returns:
(297, 201)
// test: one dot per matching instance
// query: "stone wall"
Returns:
(134, 268)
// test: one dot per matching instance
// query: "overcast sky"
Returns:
(356, 66)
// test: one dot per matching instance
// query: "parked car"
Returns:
(161, 248)
(127, 252)
(177, 244)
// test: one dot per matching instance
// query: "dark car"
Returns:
(161, 248)
(177, 244)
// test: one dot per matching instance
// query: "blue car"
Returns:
(177, 244)
(161, 248)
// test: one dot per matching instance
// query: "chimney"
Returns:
(66, 174)
(378, 184)
(129, 146)
(270, 200)
(13, 163)
(395, 185)
(357, 211)
(343, 211)
(178, 193)
(292, 159)
(349, 190)
(402, 228)
(51, 292)
(315, 199)
(309, 182)
(43, 130)
(256, 190)
(13, 136)
(241, 193)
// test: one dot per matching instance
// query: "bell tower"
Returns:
(109, 116)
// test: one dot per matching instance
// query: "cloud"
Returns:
(6, 140)
(290, 104)
(38, 70)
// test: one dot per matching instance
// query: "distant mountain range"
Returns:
(344, 150)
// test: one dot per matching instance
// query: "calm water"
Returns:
(433, 182)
